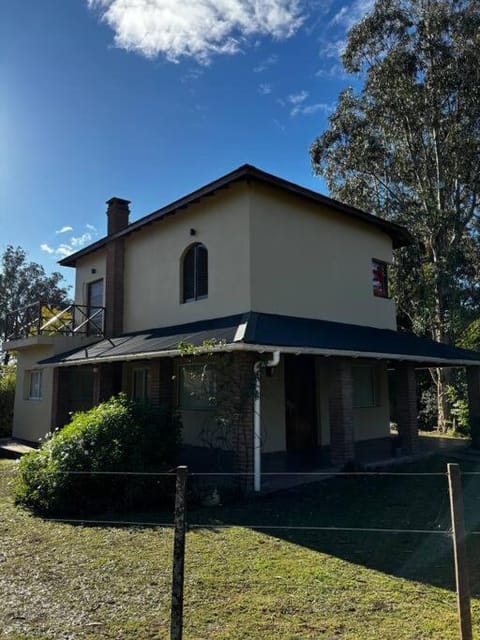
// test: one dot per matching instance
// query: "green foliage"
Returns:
(23, 283)
(7, 397)
(470, 336)
(118, 435)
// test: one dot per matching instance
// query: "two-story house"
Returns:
(292, 284)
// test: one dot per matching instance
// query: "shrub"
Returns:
(7, 398)
(118, 435)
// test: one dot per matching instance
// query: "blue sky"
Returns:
(150, 99)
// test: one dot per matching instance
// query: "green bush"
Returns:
(7, 398)
(118, 435)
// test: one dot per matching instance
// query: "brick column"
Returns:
(114, 288)
(117, 214)
(473, 384)
(161, 383)
(342, 449)
(406, 408)
(236, 395)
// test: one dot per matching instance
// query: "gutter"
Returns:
(259, 348)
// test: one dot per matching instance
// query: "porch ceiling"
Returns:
(267, 332)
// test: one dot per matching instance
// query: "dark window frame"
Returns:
(195, 273)
(383, 291)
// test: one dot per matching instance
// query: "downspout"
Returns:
(257, 418)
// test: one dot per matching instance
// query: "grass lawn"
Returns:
(76, 582)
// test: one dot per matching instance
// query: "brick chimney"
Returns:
(117, 215)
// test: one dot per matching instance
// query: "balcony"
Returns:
(43, 319)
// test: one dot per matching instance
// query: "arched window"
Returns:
(195, 273)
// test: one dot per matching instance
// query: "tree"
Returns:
(23, 283)
(406, 146)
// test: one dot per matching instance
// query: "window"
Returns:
(195, 273)
(141, 384)
(380, 278)
(95, 307)
(34, 385)
(197, 387)
(364, 387)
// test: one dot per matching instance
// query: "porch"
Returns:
(327, 398)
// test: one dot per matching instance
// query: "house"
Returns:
(289, 288)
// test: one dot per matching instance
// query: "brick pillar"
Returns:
(473, 384)
(342, 448)
(235, 406)
(117, 214)
(406, 408)
(114, 288)
(161, 383)
(60, 397)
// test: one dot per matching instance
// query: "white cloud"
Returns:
(333, 49)
(334, 70)
(196, 28)
(349, 14)
(264, 89)
(63, 250)
(265, 64)
(80, 241)
(297, 98)
(74, 243)
(309, 109)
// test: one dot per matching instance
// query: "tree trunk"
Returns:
(443, 376)
(444, 421)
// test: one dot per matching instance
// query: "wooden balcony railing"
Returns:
(43, 319)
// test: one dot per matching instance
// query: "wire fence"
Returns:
(454, 529)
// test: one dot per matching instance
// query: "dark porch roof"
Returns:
(267, 332)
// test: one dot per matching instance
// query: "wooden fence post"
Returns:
(460, 551)
(176, 619)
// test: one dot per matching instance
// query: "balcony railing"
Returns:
(43, 319)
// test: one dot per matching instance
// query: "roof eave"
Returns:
(421, 361)
(400, 236)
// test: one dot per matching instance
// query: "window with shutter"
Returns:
(195, 273)
(380, 279)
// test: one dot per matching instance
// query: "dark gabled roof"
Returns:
(264, 331)
(400, 236)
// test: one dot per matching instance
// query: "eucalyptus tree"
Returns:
(406, 146)
(23, 283)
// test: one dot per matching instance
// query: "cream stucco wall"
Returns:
(32, 419)
(89, 269)
(153, 258)
(309, 261)
(268, 251)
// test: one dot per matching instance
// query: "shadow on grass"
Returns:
(378, 502)
(370, 502)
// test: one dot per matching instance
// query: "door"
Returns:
(300, 404)
(94, 307)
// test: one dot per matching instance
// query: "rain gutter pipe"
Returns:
(257, 418)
